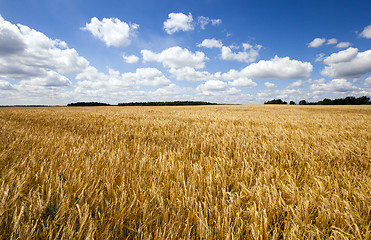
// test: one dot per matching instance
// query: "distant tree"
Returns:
(275, 101)
(175, 103)
(292, 103)
(340, 101)
(87, 104)
(362, 100)
(325, 101)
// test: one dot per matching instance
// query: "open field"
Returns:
(205, 172)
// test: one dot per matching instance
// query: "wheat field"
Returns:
(200, 172)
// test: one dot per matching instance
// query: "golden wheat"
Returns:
(215, 172)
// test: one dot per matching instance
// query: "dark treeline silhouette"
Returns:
(339, 101)
(87, 104)
(275, 101)
(176, 103)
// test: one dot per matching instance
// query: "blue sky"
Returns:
(62, 51)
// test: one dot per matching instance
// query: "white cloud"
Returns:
(213, 85)
(348, 64)
(190, 74)
(366, 33)
(203, 21)
(148, 77)
(296, 84)
(48, 79)
(236, 79)
(249, 54)
(35, 59)
(216, 87)
(112, 31)
(335, 85)
(332, 41)
(317, 42)
(342, 56)
(232, 74)
(270, 85)
(246, 46)
(176, 57)
(178, 22)
(92, 79)
(320, 57)
(343, 44)
(215, 22)
(281, 68)
(130, 59)
(243, 82)
(211, 43)
(170, 90)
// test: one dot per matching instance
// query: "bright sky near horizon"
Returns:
(59, 51)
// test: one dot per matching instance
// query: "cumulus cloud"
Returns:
(170, 90)
(342, 56)
(190, 74)
(93, 79)
(35, 59)
(216, 87)
(270, 85)
(366, 33)
(213, 85)
(211, 43)
(130, 59)
(236, 79)
(335, 85)
(317, 42)
(176, 57)
(249, 54)
(112, 31)
(48, 79)
(11, 40)
(243, 82)
(148, 77)
(178, 22)
(332, 41)
(296, 84)
(281, 68)
(343, 44)
(348, 64)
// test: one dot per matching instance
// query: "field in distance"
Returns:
(200, 172)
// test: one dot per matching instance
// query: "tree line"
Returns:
(87, 104)
(339, 101)
(175, 103)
